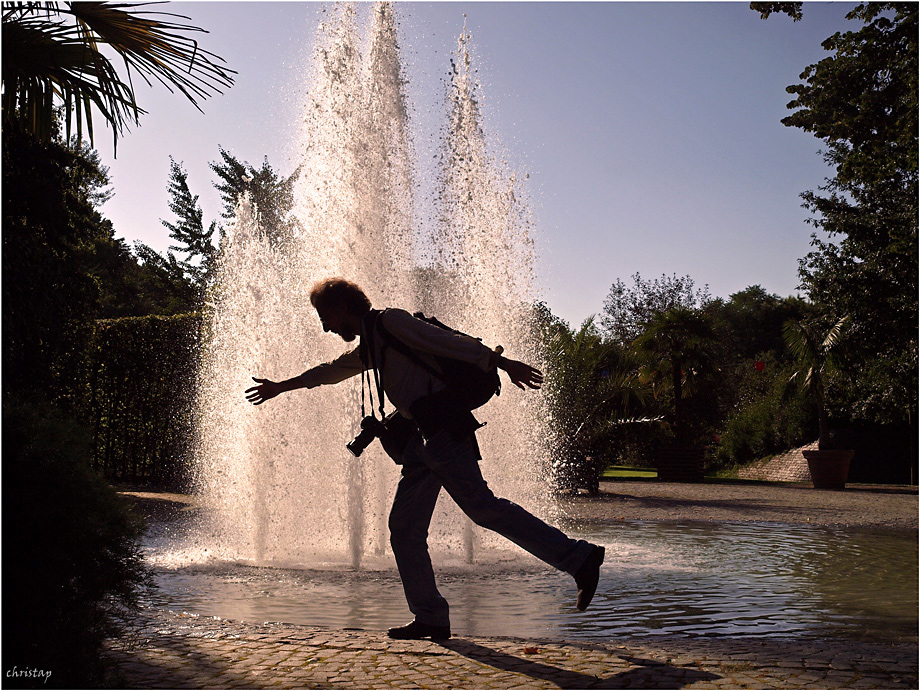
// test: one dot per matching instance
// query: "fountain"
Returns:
(279, 486)
(279, 490)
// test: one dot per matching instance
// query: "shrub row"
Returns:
(140, 388)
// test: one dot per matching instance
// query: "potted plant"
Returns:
(819, 357)
(676, 343)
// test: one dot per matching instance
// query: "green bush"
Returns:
(764, 423)
(72, 570)
(141, 385)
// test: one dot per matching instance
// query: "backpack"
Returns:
(468, 384)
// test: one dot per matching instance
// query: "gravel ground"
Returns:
(884, 507)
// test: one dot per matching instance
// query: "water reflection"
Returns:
(659, 579)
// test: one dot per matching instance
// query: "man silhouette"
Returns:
(442, 452)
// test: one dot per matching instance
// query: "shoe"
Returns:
(416, 631)
(587, 576)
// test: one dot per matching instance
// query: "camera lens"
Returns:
(369, 428)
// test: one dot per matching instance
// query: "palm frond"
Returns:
(154, 47)
(623, 421)
(836, 333)
(44, 63)
(818, 356)
(53, 54)
(800, 342)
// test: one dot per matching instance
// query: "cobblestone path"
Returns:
(170, 650)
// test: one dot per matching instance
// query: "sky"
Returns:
(650, 131)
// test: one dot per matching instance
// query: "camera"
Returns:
(371, 428)
(394, 432)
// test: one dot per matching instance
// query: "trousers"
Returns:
(453, 463)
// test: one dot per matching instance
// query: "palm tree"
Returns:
(53, 58)
(819, 358)
(677, 343)
(593, 389)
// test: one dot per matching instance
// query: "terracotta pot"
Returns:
(829, 469)
(679, 465)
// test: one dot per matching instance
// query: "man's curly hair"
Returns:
(336, 291)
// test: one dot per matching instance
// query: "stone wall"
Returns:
(787, 467)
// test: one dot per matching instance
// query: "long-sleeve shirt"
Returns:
(404, 380)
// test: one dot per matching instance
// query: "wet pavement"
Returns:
(174, 650)
(167, 649)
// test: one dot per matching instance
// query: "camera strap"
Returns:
(369, 360)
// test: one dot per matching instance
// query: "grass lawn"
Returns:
(618, 472)
(729, 476)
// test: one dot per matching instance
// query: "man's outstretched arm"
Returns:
(340, 369)
(267, 388)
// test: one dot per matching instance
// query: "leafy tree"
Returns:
(127, 287)
(750, 323)
(51, 232)
(272, 194)
(167, 277)
(862, 102)
(62, 265)
(743, 408)
(53, 67)
(54, 55)
(188, 277)
(627, 310)
(793, 9)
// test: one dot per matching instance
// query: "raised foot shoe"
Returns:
(587, 576)
(416, 630)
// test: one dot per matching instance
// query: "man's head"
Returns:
(340, 304)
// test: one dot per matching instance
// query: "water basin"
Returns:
(659, 579)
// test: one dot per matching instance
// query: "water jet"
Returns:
(278, 484)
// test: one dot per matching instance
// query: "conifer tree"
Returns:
(272, 194)
(188, 231)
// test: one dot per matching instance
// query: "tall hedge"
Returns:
(140, 387)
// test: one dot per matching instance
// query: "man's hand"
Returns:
(265, 390)
(521, 373)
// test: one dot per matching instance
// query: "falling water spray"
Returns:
(277, 483)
